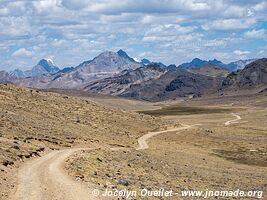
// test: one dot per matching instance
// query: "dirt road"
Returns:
(142, 141)
(45, 179)
(233, 120)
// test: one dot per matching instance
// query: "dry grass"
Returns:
(209, 156)
(33, 121)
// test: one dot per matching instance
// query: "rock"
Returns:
(15, 147)
(7, 162)
(123, 182)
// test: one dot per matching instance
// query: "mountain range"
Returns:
(253, 75)
(171, 85)
(102, 66)
(116, 73)
(44, 67)
(233, 66)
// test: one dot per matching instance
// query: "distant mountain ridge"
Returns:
(145, 62)
(210, 70)
(196, 63)
(171, 85)
(104, 65)
(116, 73)
(117, 84)
(252, 76)
(240, 64)
(5, 77)
(44, 67)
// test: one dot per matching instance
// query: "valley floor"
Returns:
(215, 152)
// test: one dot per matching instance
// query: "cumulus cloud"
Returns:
(259, 34)
(170, 30)
(14, 26)
(22, 52)
(241, 53)
(229, 24)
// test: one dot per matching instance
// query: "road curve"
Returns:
(237, 118)
(142, 141)
(44, 179)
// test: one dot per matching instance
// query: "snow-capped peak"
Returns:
(50, 61)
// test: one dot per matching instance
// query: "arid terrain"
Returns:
(133, 100)
(64, 145)
(219, 147)
(34, 123)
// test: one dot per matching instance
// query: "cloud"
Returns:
(260, 6)
(14, 26)
(229, 24)
(241, 53)
(149, 6)
(74, 4)
(22, 52)
(259, 34)
(170, 30)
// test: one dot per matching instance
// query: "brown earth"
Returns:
(221, 152)
(33, 123)
(207, 147)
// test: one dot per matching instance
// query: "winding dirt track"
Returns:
(233, 120)
(142, 141)
(45, 179)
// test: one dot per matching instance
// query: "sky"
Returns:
(171, 31)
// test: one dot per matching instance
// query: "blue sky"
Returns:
(171, 31)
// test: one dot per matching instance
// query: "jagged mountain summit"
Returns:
(117, 84)
(197, 63)
(233, 66)
(252, 76)
(44, 67)
(146, 62)
(104, 65)
(240, 64)
(123, 54)
(108, 61)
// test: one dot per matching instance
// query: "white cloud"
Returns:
(14, 26)
(22, 52)
(235, 11)
(229, 24)
(260, 34)
(241, 53)
(171, 30)
(74, 4)
(45, 7)
(260, 6)
(261, 52)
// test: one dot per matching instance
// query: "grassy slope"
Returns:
(32, 121)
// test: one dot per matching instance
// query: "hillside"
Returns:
(32, 121)
(254, 75)
(119, 83)
(173, 84)
(210, 70)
